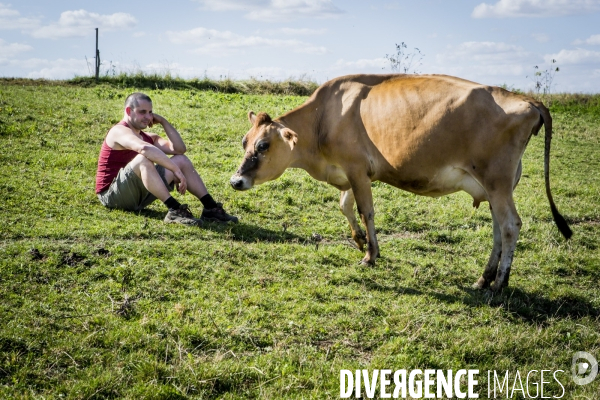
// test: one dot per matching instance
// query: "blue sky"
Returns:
(491, 41)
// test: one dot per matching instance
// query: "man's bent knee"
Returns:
(181, 160)
(140, 160)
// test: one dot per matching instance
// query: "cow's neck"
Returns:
(306, 154)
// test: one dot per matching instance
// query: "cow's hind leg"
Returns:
(506, 226)
(347, 207)
(492, 266)
(509, 222)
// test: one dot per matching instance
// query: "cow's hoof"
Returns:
(496, 287)
(481, 283)
(367, 262)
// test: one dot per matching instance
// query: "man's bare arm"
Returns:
(175, 144)
(123, 138)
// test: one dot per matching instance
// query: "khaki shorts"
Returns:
(127, 191)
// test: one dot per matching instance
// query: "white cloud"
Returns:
(291, 32)
(83, 23)
(342, 67)
(302, 31)
(577, 56)
(485, 53)
(211, 41)
(311, 49)
(363, 65)
(35, 68)
(266, 10)
(6, 11)
(11, 19)
(232, 5)
(485, 59)
(593, 40)
(275, 73)
(9, 50)
(535, 8)
(61, 69)
(215, 71)
(541, 37)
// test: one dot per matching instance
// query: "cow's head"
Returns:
(268, 145)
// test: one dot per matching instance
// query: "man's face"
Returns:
(141, 116)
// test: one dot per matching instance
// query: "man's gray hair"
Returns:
(133, 100)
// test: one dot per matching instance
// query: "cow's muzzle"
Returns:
(240, 182)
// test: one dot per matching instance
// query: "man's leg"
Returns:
(213, 211)
(147, 171)
(195, 184)
(150, 177)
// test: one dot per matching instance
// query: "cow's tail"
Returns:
(560, 221)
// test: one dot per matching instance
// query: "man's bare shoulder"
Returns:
(116, 134)
(120, 130)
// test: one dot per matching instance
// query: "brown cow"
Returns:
(428, 134)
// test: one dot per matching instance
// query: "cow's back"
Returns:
(423, 125)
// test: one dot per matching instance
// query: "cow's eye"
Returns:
(262, 146)
(244, 143)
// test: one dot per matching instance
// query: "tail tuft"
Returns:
(561, 223)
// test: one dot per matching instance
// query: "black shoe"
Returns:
(182, 216)
(217, 214)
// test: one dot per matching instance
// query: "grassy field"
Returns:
(98, 304)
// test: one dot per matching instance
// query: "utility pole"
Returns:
(97, 58)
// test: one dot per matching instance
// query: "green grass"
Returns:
(101, 304)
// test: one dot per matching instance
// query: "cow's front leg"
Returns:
(347, 207)
(364, 202)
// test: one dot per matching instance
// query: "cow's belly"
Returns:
(445, 181)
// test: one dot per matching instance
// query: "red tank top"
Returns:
(111, 161)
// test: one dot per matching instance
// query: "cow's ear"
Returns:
(251, 117)
(290, 137)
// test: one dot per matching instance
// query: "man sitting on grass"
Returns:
(134, 169)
